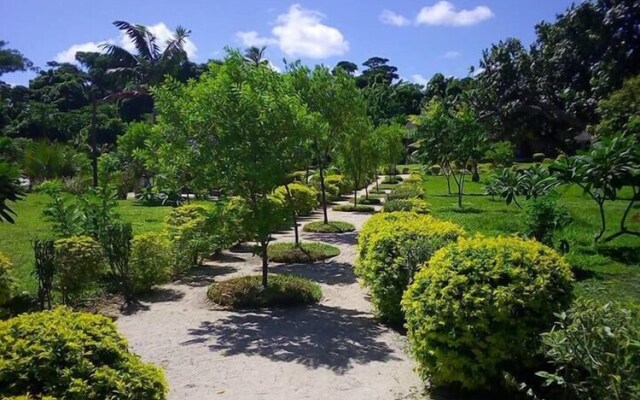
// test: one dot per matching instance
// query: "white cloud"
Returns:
(251, 38)
(69, 55)
(451, 54)
(445, 13)
(300, 32)
(273, 66)
(388, 17)
(419, 79)
(160, 30)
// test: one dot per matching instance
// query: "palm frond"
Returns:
(121, 57)
(143, 40)
(175, 46)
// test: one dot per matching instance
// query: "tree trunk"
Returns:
(355, 197)
(265, 264)
(293, 215)
(366, 192)
(324, 195)
(475, 176)
(603, 225)
(94, 145)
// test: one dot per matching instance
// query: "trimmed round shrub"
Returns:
(331, 227)
(480, 306)
(6, 281)
(406, 170)
(372, 200)
(79, 262)
(391, 249)
(248, 292)
(354, 208)
(72, 355)
(416, 205)
(150, 261)
(303, 197)
(345, 186)
(301, 253)
(414, 177)
(538, 157)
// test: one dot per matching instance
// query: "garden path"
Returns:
(332, 350)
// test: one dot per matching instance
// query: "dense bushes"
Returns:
(391, 248)
(480, 306)
(407, 190)
(79, 261)
(416, 205)
(595, 352)
(150, 262)
(345, 186)
(248, 292)
(543, 217)
(354, 208)
(6, 281)
(71, 355)
(303, 197)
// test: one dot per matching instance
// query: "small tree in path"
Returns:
(239, 119)
(337, 102)
(392, 150)
(356, 157)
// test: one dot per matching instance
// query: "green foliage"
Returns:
(352, 208)
(67, 355)
(391, 248)
(79, 262)
(44, 160)
(389, 144)
(9, 191)
(538, 157)
(44, 270)
(248, 292)
(620, 112)
(192, 231)
(344, 185)
(594, 351)
(301, 253)
(543, 217)
(418, 206)
(406, 191)
(331, 227)
(501, 154)
(150, 262)
(533, 182)
(6, 280)
(479, 307)
(116, 244)
(303, 197)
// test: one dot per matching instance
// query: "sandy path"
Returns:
(333, 350)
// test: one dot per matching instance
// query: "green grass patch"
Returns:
(610, 272)
(248, 292)
(352, 208)
(331, 227)
(302, 253)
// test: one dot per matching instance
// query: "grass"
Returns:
(15, 241)
(248, 292)
(352, 208)
(610, 272)
(302, 253)
(331, 227)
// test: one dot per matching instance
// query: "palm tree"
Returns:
(10, 190)
(255, 55)
(148, 66)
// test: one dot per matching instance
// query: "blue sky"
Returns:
(420, 37)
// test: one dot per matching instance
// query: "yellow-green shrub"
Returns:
(391, 247)
(79, 262)
(345, 186)
(71, 355)
(303, 197)
(480, 307)
(6, 281)
(415, 205)
(414, 177)
(150, 262)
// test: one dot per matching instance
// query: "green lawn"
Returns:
(15, 240)
(611, 272)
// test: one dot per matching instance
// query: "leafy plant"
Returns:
(9, 191)
(480, 306)
(391, 248)
(594, 352)
(501, 154)
(79, 261)
(44, 271)
(150, 262)
(248, 292)
(6, 280)
(406, 191)
(331, 227)
(66, 354)
(543, 217)
(418, 206)
(301, 253)
(116, 243)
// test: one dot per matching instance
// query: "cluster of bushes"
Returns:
(489, 312)
(419, 206)
(391, 248)
(63, 355)
(412, 189)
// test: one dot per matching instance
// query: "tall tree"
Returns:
(12, 60)
(355, 155)
(337, 102)
(256, 116)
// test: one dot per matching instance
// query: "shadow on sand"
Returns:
(316, 337)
